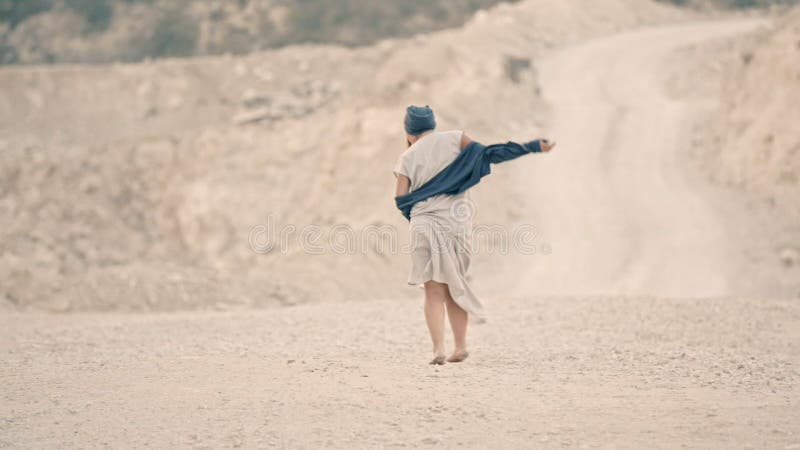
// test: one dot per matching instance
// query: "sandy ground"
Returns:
(580, 370)
(548, 372)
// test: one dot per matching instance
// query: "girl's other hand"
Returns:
(546, 145)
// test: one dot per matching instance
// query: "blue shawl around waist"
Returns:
(472, 164)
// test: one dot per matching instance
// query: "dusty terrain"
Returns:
(547, 373)
(639, 326)
(135, 187)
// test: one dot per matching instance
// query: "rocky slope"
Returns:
(137, 186)
(758, 137)
(748, 142)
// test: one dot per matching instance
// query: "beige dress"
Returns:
(441, 226)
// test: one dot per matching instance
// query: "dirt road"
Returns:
(616, 203)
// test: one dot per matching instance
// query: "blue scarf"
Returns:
(472, 164)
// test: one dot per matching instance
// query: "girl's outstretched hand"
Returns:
(546, 145)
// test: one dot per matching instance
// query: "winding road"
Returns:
(615, 201)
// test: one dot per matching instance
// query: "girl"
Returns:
(433, 176)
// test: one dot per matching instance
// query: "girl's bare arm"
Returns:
(403, 185)
(465, 140)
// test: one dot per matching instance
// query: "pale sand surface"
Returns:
(549, 372)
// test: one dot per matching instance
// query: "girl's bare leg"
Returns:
(458, 322)
(435, 298)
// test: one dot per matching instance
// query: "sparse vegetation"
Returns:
(185, 28)
(174, 34)
(353, 22)
(13, 12)
(97, 13)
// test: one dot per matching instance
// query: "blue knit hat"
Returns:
(419, 119)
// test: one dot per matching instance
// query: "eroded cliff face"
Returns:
(757, 144)
(746, 143)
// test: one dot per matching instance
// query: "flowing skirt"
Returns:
(440, 251)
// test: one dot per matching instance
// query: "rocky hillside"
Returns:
(138, 186)
(757, 140)
(46, 31)
(748, 141)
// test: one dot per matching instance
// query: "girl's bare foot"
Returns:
(438, 360)
(458, 356)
